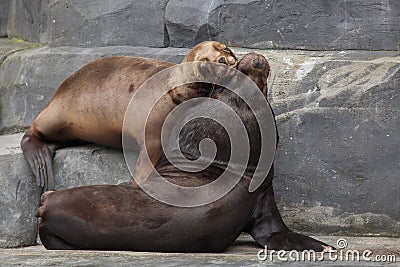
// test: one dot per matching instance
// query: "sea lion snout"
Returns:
(253, 62)
(256, 67)
(258, 64)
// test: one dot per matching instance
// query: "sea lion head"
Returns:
(256, 67)
(208, 51)
(211, 51)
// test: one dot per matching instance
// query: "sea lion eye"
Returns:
(222, 60)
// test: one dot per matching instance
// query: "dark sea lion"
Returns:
(123, 217)
(90, 106)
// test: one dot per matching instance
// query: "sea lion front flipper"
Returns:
(40, 160)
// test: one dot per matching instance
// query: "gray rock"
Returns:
(4, 5)
(89, 165)
(343, 161)
(311, 25)
(89, 23)
(338, 120)
(28, 20)
(9, 47)
(242, 253)
(28, 79)
(19, 197)
(338, 115)
(187, 21)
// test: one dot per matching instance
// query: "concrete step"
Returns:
(242, 253)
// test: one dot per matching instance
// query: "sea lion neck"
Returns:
(188, 91)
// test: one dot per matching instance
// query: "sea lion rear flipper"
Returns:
(289, 240)
(40, 160)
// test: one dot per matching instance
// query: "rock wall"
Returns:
(3, 17)
(338, 112)
(19, 197)
(89, 22)
(25, 87)
(309, 24)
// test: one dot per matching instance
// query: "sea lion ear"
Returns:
(230, 54)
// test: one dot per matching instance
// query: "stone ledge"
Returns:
(242, 253)
(73, 166)
(91, 164)
(19, 197)
(89, 23)
(296, 80)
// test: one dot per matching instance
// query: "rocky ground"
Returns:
(243, 252)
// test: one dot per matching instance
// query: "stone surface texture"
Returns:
(338, 116)
(338, 112)
(4, 6)
(25, 83)
(242, 253)
(89, 22)
(337, 164)
(188, 21)
(19, 197)
(309, 24)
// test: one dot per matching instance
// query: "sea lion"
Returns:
(123, 217)
(90, 106)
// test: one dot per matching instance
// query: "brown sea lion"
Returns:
(90, 106)
(123, 217)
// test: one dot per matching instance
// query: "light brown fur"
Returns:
(91, 103)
